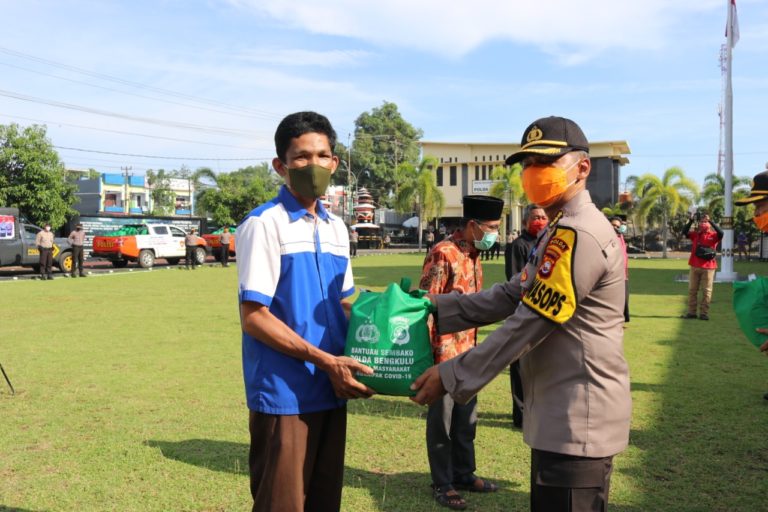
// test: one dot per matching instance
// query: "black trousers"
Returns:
(566, 483)
(46, 261)
(516, 384)
(626, 300)
(190, 256)
(77, 260)
(224, 255)
(451, 429)
(352, 248)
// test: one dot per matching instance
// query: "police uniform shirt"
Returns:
(77, 237)
(567, 331)
(190, 240)
(44, 239)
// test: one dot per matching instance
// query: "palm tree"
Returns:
(671, 193)
(509, 185)
(714, 192)
(416, 186)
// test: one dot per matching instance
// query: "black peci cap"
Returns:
(550, 136)
(759, 189)
(482, 207)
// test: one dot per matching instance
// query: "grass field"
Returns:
(130, 397)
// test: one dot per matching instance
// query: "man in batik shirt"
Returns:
(453, 265)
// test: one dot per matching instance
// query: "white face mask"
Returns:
(47, 228)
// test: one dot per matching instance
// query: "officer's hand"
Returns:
(430, 387)
(764, 346)
(342, 370)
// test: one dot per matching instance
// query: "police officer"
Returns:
(568, 330)
(225, 238)
(515, 258)
(190, 243)
(77, 239)
(44, 242)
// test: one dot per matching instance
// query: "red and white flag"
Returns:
(734, 24)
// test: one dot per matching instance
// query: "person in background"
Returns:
(354, 238)
(295, 277)
(190, 242)
(741, 246)
(429, 240)
(516, 256)
(77, 239)
(562, 315)
(620, 227)
(703, 264)
(759, 197)
(453, 265)
(386, 241)
(224, 240)
(44, 243)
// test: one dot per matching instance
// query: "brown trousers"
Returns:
(700, 278)
(297, 461)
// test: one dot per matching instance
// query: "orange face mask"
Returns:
(543, 184)
(761, 221)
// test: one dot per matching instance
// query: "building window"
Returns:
(477, 172)
(453, 176)
(475, 158)
(483, 158)
(497, 157)
(439, 176)
(441, 159)
(484, 175)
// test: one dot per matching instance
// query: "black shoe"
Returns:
(83, 275)
(688, 315)
(50, 278)
(765, 396)
(703, 317)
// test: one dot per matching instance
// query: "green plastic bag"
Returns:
(388, 332)
(750, 303)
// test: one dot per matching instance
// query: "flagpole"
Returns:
(726, 273)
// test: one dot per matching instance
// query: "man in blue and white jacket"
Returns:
(294, 278)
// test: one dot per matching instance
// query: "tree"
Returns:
(714, 193)
(32, 178)
(383, 140)
(667, 195)
(509, 186)
(237, 193)
(160, 192)
(418, 189)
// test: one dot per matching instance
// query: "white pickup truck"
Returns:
(145, 243)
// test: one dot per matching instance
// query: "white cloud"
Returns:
(573, 31)
(303, 58)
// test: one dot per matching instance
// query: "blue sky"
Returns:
(644, 71)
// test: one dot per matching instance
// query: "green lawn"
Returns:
(130, 397)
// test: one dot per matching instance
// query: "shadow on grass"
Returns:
(6, 508)
(224, 456)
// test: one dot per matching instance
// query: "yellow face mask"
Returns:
(543, 184)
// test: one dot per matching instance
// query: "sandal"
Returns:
(475, 484)
(446, 496)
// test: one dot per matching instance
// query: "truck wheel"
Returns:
(173, 261)
(146, 258)
(200, 255)
(65, 262)
(119, 263)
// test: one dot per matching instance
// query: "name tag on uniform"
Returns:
(553, 292)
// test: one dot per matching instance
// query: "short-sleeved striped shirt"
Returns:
(298, 265)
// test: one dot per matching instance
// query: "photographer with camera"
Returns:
(702, 262)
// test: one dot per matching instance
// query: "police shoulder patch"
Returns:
(553, 293)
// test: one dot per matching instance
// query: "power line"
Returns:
(260, 116)
(160, 122)
(126, 133)
(138, 85)
(165, 157)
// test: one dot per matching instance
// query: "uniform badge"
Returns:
(534, 134)
(553, 292)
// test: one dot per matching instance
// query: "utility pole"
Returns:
(126, 182)
(349, 178)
